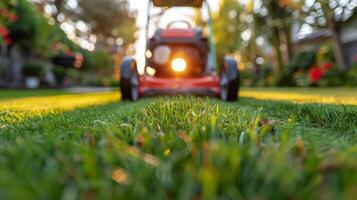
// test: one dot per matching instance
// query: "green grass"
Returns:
(177, 148)
(14, 94)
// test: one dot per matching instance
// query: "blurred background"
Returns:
(285, 43)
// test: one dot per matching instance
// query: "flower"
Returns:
(355, 58)
(327, 66)
(4, 31)
(69, 52)
(8, 41)
(78, 60)
(315, 74)
(79, 57)
(8, 15)
(5, 35)
(12, 17)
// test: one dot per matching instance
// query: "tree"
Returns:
(102, 64)
(7, 17)
(269, 19)
(109, 20)
(279, 21)
(23, 31)
(227, 27)
(328, 14)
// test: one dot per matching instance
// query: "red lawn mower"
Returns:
(180, 61)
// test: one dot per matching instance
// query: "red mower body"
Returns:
(202, 86)
(174, 83)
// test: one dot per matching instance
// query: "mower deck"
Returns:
(205, 86)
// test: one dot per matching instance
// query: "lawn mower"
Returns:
(180, 61)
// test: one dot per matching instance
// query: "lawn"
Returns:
(272, 144)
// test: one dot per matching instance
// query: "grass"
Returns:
(14, 94)
(90, 146)
(335, 96)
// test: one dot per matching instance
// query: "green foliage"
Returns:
(24, 30)
(33, 69)
(334, 77)
(33, 32)
(102, 62)
(352, 76)
(301, 61)
(47, 36)
(88, 60)
(227, 27)
(261, 76)
(110, 19)
(296, 69)
(98, 68)
(180, 148)
(59, 73)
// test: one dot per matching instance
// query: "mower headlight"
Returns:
(178, 65)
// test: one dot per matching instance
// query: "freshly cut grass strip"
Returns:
(63, 102)
(301, 98)
(17, 110)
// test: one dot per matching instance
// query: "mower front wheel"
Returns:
(129, 80)
(229, 80)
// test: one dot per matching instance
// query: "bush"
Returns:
(23, 31)
(294, 74)
(301, 61)
(33, 69)
(333, 77)
(60, 74)
(352, 76)
(102, 63)
(246, 78)
(265, 76)
(99, 67)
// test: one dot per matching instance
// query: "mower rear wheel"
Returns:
(129, 80)
(229, 80)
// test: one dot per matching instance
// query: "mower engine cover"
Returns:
(178, 3)
(178, 53)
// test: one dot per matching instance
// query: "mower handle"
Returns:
(179, 21)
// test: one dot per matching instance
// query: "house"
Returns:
(11, 61)
(348, 38)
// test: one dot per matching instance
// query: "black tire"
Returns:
(230, 80)
(129, 80)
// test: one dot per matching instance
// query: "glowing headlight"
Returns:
(178, 65)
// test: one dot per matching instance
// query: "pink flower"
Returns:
(79, 57)
(355, 58)
(69, 52)
(56, 46)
